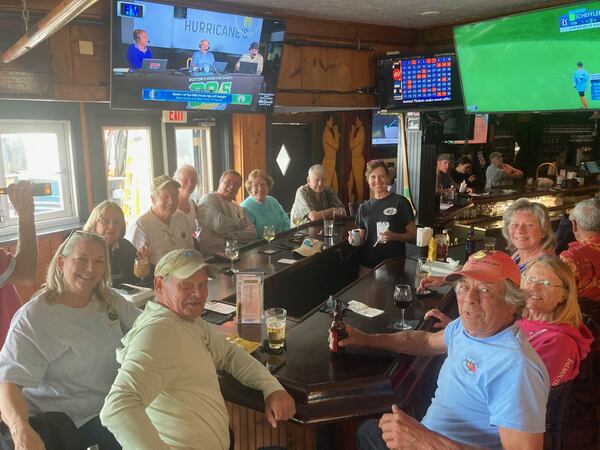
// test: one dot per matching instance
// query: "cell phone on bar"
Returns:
(37, 189)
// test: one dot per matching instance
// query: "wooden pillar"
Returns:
(249, 144)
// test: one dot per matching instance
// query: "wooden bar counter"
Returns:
(343, 389)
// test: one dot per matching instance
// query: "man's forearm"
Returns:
(27, 251)
(408, 342)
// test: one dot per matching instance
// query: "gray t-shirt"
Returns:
(496, 177)
(63, 357)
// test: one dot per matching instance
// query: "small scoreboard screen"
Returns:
(422, 79)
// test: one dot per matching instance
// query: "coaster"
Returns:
(273, 351)
(269, 252)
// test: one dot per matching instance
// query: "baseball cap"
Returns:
(182, 264)
(445, 157)
(254, 45)
(488, 267)
(309, 247)
(495, 155)
(161, 181)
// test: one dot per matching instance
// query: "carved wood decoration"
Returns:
(331, 147)
(358, 137)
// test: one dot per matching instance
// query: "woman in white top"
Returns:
(187, 177)
(59, 354)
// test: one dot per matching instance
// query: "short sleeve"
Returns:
(127, 312)
(137, 236)
(406, 212)
(451, 330)
(22, 361)
(360, 219)
(517, 396)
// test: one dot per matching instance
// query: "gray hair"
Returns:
(185, 168)
(538, 210)
(54, 278)
(317, 168)
(587, 215)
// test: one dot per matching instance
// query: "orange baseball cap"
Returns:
(488, 267)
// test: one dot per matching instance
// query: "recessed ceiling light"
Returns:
(429, 13)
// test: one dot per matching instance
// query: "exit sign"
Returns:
(175, 116)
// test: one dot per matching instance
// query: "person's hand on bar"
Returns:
(279, 406)
(443, 319)
(355, 338)
(431, 281)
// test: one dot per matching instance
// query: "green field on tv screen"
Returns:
(547, 60)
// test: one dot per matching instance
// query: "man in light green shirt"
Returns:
(166, 394)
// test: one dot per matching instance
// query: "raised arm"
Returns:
(26, 257)
(13, 410)
(421, 343)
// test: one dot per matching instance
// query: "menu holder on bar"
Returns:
(249, 297)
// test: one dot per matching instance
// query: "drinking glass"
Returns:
(403, 299)
(269, 234)
(141, 268)
(489, 244)
(275, 323)
(328, 227)
(297, 221)
(423, 270)
(232, 251)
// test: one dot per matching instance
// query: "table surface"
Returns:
(358, 382)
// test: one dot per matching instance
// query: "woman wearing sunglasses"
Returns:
(108, 220)
(551, 320)
(59, 354)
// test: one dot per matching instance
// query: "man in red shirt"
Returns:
(583, 255)
(22, 267)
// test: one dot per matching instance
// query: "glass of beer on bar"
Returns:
(275, 323)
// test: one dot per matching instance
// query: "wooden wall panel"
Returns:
(47, 246)
(290, 74)
(338, 69)
(92, 70)
(249, 143)
(61, 56)
(314, 60)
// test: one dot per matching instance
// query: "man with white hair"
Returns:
(583, 255)
(493, 386)
(166, 394)
(163, 228)
(221, 218)
(315, 200)
(187, 177)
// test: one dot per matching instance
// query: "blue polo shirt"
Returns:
(135, 56)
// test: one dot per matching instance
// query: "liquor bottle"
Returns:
(36, 189)
(337, 332)
(470, 244)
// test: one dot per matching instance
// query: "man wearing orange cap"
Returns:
(493, 387)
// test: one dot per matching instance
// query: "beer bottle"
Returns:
(337, 331)
(470, 244)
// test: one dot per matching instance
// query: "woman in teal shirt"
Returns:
(262, 209)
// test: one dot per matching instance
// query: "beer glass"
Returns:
(141, 268)
(275, 323)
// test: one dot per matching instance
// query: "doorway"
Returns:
(288, 160)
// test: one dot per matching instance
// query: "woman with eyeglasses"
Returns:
(58, 362)
(551, 320)
(108, 220)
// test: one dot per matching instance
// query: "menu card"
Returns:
(249, 297)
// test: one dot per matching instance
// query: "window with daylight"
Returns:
(128, 156)
(38, 151)
(193, 147)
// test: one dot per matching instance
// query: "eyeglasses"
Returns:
(107, 222)
(541, 282)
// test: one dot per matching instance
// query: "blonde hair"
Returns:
(54, 278)
(98, 212)
(539, 211)
(258, 173)
(567, 312)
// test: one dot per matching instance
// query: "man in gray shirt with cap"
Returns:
(499, 173)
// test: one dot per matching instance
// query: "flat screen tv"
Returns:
(175, 57)
(545, 60)
(419, 83)
(384, 129)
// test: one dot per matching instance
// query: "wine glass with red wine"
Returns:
(403, 299)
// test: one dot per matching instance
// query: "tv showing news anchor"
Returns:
(166, 56)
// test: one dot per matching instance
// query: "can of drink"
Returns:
(355, 236)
